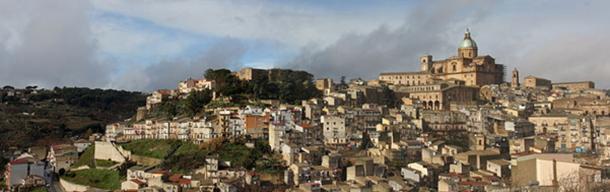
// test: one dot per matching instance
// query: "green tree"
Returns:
(195, 101)
(366, 142)
(169, 109)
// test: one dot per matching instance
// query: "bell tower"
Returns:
(425, 62)
(515, 82)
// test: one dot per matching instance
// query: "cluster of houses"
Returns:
(538, 136)
(531, 137)
(37, 165)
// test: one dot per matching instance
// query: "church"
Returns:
(466, 66)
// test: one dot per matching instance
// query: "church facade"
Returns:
(466, 66)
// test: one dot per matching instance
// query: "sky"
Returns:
(145, 45)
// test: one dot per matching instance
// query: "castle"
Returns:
(467, 66)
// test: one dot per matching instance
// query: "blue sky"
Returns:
(150, 44)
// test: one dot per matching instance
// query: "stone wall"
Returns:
(68, 186)
(146, 161)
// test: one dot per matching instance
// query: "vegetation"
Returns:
(241, 156)
(186, 148)
(39, 189)
(189, 157)
(186, 160)
(365, 142)
(3, 161)
(458, 139)
(155, 148)
(51, 116)
(238, 154)
(87, 158)
(194, 103)
(104, 163)
(285, 85)
(98, 178)
(388, 97)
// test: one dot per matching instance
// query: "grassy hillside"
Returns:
(98, 178)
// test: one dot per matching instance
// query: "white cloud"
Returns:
(49, 44)
(253, 19)
(127, 38)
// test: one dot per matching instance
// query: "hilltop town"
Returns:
(460, 123)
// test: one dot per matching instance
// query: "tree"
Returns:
(195, 101)
(388, 97)
(169, 109)
(226, 83)
(366, 142)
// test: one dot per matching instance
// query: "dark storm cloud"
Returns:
(226, 53)
(49, 44)
(425, 31)
(571, 57)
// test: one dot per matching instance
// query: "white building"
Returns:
(334, 129)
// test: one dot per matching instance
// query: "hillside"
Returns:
(38, 116)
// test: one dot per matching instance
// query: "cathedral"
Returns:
(466, 66)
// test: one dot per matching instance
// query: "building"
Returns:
(334, 129)
(440, 95)
(62, 156)
(24, 171)
(574, 86)
(189, 85)
(251, 73)
(256, 125)
(536, 82)
(515, 80)
(324, 84)
(552, 170)
(466, 66)
(157, 97)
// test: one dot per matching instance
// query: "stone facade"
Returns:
(467, 66)
(536, 82)
(575, 86)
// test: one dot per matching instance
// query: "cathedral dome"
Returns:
(468, 42)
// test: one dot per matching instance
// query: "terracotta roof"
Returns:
(184, 181)
(20, 161)
(137, 181)
(175, 178)
(306, 125)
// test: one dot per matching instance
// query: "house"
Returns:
(499, 167)
(132, 185)
(552, 169)
(24, 171)
(334, 129)
(62, 156)
(81, 145)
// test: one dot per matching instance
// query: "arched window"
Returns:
(454, 68)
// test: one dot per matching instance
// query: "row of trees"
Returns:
(189, 106)
(285, 85)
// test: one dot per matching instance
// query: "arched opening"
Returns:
(437, 105)
(431, 105)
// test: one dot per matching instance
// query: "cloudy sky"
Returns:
(150, 44)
